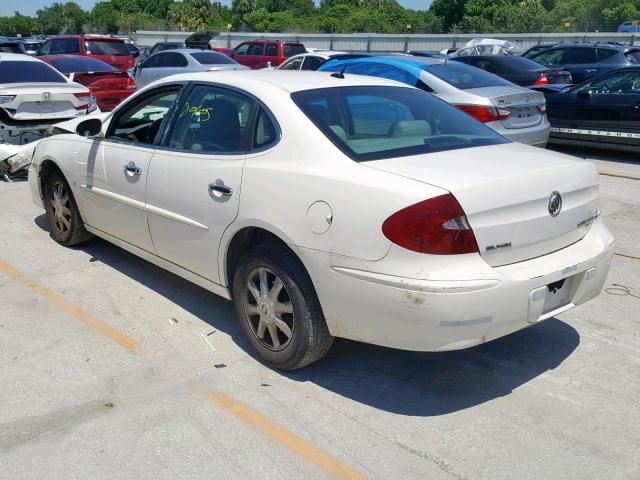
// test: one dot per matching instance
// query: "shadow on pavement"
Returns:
(405, 383)
(609, 155)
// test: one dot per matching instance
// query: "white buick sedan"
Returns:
(329, 205)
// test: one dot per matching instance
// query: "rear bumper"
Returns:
(537, 135)
(453, 303)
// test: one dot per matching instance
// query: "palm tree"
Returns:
(242, 7)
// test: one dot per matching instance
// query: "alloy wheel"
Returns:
(268, 309)
(61, 205)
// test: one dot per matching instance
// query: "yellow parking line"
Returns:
(627, 256)
(283, 436)
(120, 338)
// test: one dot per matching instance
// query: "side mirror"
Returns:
(89, 128)
(585, 92)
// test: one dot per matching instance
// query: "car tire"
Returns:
(65, 223)
(274, 297)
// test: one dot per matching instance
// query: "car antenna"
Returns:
(339, 74)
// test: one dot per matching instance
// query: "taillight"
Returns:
(485, 114)
(437, 226)
(543, 79)
(131, 83)
(542, 109)
(82, 96)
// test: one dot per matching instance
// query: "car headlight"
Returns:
(93, 104)
(6, 99)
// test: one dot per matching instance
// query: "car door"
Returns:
(271, 57)
(112, 172)
(610, 106)
(240, 53)
(144, 73)
(193, 190)
(166, 64)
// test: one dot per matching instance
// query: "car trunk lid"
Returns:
(505, 192)
(36, 101)
(524, 105)
(103, 81)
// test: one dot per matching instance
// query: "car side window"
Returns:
(242, 49)
(213, 120)
(579, 55)
(171, 60)
(256, 49)
(619, 83)
(312, 63)
(141, 122)
(150, 62)
(293, 64)
(486, 65)
(605, 53)
(271, 50)
(265, 132)
(45, 49)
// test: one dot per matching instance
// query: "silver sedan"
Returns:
(184, 60)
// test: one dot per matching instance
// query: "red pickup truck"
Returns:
(258, 54)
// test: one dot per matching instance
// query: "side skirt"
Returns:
(162, 263)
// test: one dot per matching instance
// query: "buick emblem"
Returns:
(555, 204)
(46, 96)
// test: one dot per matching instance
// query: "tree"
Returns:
(451, 11)
(243, 7)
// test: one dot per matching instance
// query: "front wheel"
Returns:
(278, 308)
(65, 223)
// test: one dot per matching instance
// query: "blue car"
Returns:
(628, 27)
(603, 112)
(586, 60)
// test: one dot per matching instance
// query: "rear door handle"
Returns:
(132, 169)
(223, 189)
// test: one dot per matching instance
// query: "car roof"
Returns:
(188, 50)
(288, 80)
(17, 57)
(613, 46)
(101, 38)
(319, 53)
(257, 40)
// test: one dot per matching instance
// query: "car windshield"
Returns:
(74, 64)
(212, 58)
(106, 47)
(463, 76)
(12, 71)
(373, 123)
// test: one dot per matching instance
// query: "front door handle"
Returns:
(132, 169)
(223, 189)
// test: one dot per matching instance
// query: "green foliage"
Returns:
(330, 16)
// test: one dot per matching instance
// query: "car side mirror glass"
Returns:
(585, 92)
(89, 128)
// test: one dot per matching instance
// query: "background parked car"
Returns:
(313, 60)
(516, 112)
(107, 84)
(603, 112)
(110, 50)
(35, 96)
(9, 45)
(258, 54)
(31, 45)
(186, 60)
(584, 60)
(628, 27)
(518, 70)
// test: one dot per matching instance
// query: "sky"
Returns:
(29, 7)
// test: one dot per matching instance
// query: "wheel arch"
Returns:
(241, 240)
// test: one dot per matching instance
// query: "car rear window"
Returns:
(29, 72)
(81, 64)
(463, 76)
(512, 64)
(11, 48)
(291, 49)
(373, 123)
(212, 58)
(106, 47)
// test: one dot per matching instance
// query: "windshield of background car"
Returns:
(212, 58)
(78, 64)
(463, 76)
(373, 123)
(28, 72)
(106, 47)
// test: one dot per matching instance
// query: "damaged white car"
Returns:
(33, 97)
